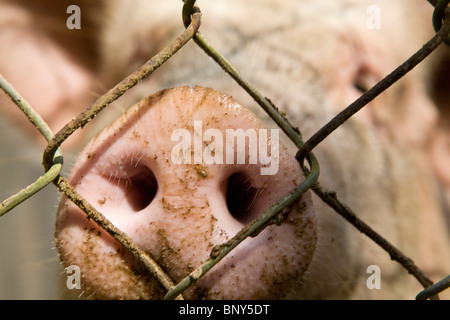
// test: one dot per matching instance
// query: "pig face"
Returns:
(177, 210)
(322, 65)
(311, 60)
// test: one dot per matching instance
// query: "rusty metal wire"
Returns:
(439, 15)
(53, 170)
(434, 289)
(52, 157)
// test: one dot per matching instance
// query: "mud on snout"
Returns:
(174, 175)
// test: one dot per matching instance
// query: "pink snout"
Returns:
(176, 175)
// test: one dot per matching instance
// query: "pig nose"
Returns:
(179, 173)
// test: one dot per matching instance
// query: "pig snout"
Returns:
(165, 174)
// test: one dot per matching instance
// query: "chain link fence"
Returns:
(191, 14)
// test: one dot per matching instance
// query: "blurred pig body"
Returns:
(311, 60)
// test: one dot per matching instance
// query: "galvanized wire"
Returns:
(57, 160)
(434, 289)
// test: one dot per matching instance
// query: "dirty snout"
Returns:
(180, 172)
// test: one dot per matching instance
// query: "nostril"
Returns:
(365, 79)
(143, 190)
(240, 197)
(139, 189)
(360, 86)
